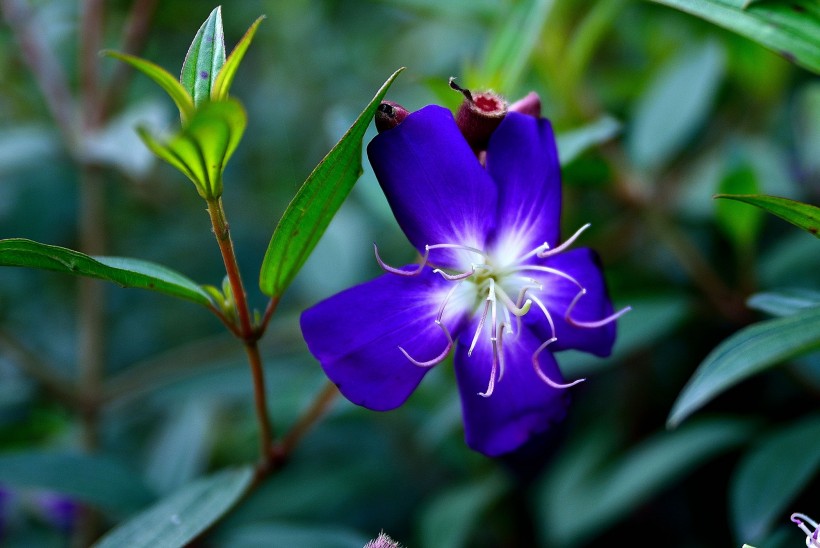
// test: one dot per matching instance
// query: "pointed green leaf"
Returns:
(180, 518)
(164, 79)
(805, 216)
(771, 476)
(747, 352)
(590, 486)
(574, 142)
(318, 200)
(785, 302)
(103, 482)
(122, 271)
(788, 28)
(202, 148)
(675, 103)
(224, 79)
(204, 59)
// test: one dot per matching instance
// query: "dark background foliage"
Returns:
(677, 108)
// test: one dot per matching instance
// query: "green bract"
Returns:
(212, 123)
(203, 147)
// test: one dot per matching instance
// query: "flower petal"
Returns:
(583, 265)
(357, 333)
(523, 161)
(435, 185)
(520, 406)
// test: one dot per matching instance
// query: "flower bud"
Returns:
(389, 115)
(479, 115)
(529, 105)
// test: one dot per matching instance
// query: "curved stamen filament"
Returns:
(445, 301)
(438, 359)
(392, 270)
(478, 329)
(511, 306)
(457, 247)
(491, 300)
(571, 240)
(549, 270)
(454, 277)
(547, 315)
(591, 324)
(543, 376)
(811, 537)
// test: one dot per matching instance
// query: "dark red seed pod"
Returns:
(479, 115)
(389, 115)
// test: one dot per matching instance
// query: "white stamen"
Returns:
(547, 315)
(543, 375)
(550, 270)
(811, 537)
(591, 324)
(446, 300)
(478, 329)
(455, 277)
(493, 339)
(438, 359)
(392, 270)
(550, 252)
(456, 246)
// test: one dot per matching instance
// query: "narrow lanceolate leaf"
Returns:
(769, 477)
(180, 518)
(102, 482)
(789, 28)
(202, 148)
(785, 302)
(574, 142)
(224, 79)
(747, 352)
(122, 271)
(318, 200)
(164, 79)
(204, 59)
(805, 216)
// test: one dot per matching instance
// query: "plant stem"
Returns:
(261, 405)
(223, 238)
(248, 333)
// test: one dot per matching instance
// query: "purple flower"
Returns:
(495, 282)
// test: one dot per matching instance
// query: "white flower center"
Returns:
(504, 292)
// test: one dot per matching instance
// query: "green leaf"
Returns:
(589, 488)
(573, 143)
(769, 477)
(202, 148)
(105, 483)
(740, 224)
(802, 215)
(788, 28)
(165, 79)
(675, 103)
(785, 302)
(448, 520)
(307, 216)
(180, 518)
(747, 352)
(224, 79)
(122, 271)
(204, 59)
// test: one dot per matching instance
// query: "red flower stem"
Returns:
(247, 332)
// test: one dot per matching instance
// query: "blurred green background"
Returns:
(657, 111)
